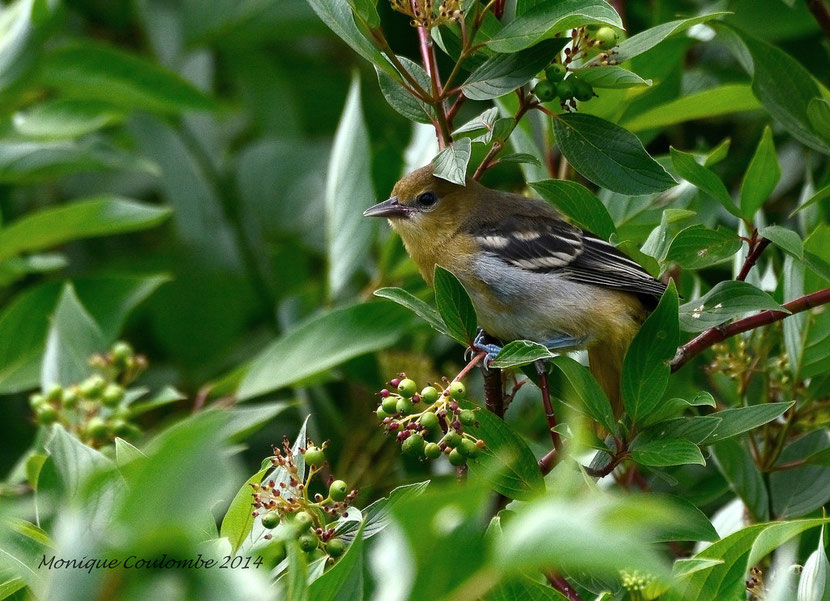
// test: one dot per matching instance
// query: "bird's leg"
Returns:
(563, 341)
(541, 370)
(491, 349)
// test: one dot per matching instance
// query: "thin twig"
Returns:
(550, 416)
(718, 334)
(821, 14)
(756, 247)
(558, 582)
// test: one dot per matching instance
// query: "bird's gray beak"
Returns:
(388, 208)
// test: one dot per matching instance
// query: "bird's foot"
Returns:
(563, 341)
(479, 346)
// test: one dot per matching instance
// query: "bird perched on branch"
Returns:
(529, 274)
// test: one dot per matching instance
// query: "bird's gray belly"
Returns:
(528, 305)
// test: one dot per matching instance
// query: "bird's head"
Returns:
(425, 206)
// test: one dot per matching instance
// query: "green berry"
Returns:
(556, 72)
(69, 398)
(54, 393)
(338, 490)
(270, 520)
(303, 520)
(390, 404)
(36, 400)
(122, 428)
(404, 406)
(46, 413)
(468, 448)
(432, 450)
(456, 458)
(97, 428)
(112, 395)
(583, 90)
(307, 542)
(314, 456)
(121, 352)
(429, 394)
(407, 387)
(467, 417)
(92, 387)
(381, 413)
(429, 421)
(413, 446)
(335, 547)
(458, 390)
(545, 91)
(565, 89)
(452, 439)
(605, 37)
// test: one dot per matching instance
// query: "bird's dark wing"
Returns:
(546, 244)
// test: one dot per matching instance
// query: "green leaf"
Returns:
(421, 308)
(94, 71)
(237, 523)
(814, 584)
(697, 247)
(520, 157)
(609, 155)
(65, 118)
(686, 566)
(503, 73)
(367, 11)
(520, 352)
(506, 464)
(584, 388)
(690, 522)
(481, 123)
(785, 88)
(24, 323)
(648, 39)
(797, 492)
(455, 306)
(818, 114)
(645, 367)
(349, 191)
(675, 406)
(742, 419)
(612, 77)
(126, 453)
(297, 575)
(165, 396)
(82, 219)
(743, 476)
(337, 15)
(377, 515)
(577, 202)
(451, 163)
(548, 18)
(400, 99)
(689, 169)
(722, 100)
(817, 196)
(75, 463)
(73, 337)
(27, 162)
(322, 342)
(666, 452)
(785, 239)
(738, 553)
(694, 429)
(344, 581)
(658, 241)
(728, 299)
(761, 176)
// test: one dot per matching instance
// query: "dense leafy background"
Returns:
(190, 176)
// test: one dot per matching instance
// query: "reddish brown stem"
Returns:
(756, 247)
(558, 582)
(548, 462)
(821, 14)
(456, 106)
(470, 366)
(714, 335)
(442, 131)
(550, 416)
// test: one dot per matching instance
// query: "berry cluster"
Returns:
(560, 83)
(285, 503)
(430, 423)
(424, 13)
(94, 409)
(640, 586)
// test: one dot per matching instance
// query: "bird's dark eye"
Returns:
(426, 200)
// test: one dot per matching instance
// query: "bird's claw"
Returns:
(479, 346)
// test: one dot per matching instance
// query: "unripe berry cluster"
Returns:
(641, 586)
(282, 502)
(430, 423)
(94, 409)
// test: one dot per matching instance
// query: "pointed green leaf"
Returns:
(451, 163)
(689, 169)
(761, 176)
(577, 202)
(455, 306)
